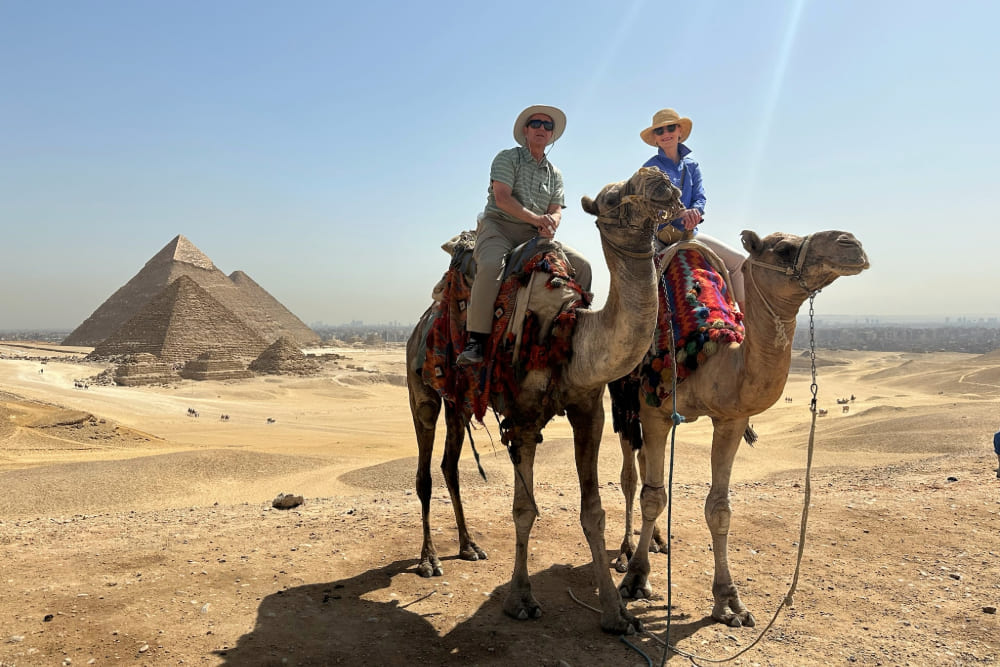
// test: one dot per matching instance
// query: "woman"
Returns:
(668, 132)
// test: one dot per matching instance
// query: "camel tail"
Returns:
(625, 410)
(475, 452)
(750, 435)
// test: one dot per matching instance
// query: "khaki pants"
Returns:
(495, 239)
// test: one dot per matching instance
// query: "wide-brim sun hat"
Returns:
(557, 116)
(666, 117)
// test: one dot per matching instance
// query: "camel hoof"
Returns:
(621, 563)
(524, 614)
(740, 620)
(430, 568)
(622, 624)
(634, 587)
(522, 607)
(472, 552)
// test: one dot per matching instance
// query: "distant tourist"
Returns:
(996, 448)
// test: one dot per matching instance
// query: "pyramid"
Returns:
(180, 323)
(239, 294)
(284, 357)
(213, 365)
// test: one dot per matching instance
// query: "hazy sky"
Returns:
(327, 149)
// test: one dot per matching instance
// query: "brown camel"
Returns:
(605, 345)
(737, 382)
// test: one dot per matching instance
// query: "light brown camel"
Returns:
(605, 344)
(737, 382)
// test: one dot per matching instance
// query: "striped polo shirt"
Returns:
(536, 185)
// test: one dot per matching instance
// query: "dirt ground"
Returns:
(132, 533)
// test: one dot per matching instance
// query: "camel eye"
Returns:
(614, 197)
(785, 250)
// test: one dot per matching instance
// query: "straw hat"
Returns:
(666, 117)
(557, 116)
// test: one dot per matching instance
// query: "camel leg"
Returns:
(520, 603)
(455, 436)
(425, 406)
(728, 607)
(588, 423)
(652, 499)
(628, 480)
(658, 544)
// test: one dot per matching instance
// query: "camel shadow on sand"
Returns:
(333, 624)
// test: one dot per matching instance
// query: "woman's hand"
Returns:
(691, 217)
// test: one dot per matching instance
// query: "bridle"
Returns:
(616, 216)
(795, 271)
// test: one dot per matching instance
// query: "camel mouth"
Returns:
(853, 268)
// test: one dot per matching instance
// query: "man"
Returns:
(525, 199)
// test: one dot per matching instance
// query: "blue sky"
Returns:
(327, 149)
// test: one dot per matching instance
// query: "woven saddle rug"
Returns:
(696, 313)
(533, 325)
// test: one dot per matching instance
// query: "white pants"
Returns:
(732, 258)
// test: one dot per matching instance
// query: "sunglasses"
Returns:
(666, 128)
(536, 123)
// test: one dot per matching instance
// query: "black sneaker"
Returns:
(472, 354)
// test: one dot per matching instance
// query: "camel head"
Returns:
(795, 267)
(628, 211)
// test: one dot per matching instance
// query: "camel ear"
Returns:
(589, 206)
(751, 242)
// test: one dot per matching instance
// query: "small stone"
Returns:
(47, 618)
(143, 648)
(284, 501)
(988, 609)
(953, 479)
(956, 576)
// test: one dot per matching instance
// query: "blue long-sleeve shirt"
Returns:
(686, 175)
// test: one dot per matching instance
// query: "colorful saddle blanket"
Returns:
(696, 315)
(514, 348)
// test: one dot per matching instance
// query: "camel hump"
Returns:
(667, 254)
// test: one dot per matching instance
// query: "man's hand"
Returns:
(547, 225)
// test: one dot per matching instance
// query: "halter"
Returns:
(795, 271)
(646, 209)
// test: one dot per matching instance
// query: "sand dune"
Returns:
(117, 495)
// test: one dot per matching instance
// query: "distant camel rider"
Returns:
(525, 199)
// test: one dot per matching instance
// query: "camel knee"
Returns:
(718, 516)
(652, 500)
(426, 414)
(592, 521)
(524, 517)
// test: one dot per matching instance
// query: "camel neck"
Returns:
(608, 343)
(769, 324)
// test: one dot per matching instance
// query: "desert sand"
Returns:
(133, 533)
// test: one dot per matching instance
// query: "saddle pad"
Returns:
(474, 388)
(697, 312)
